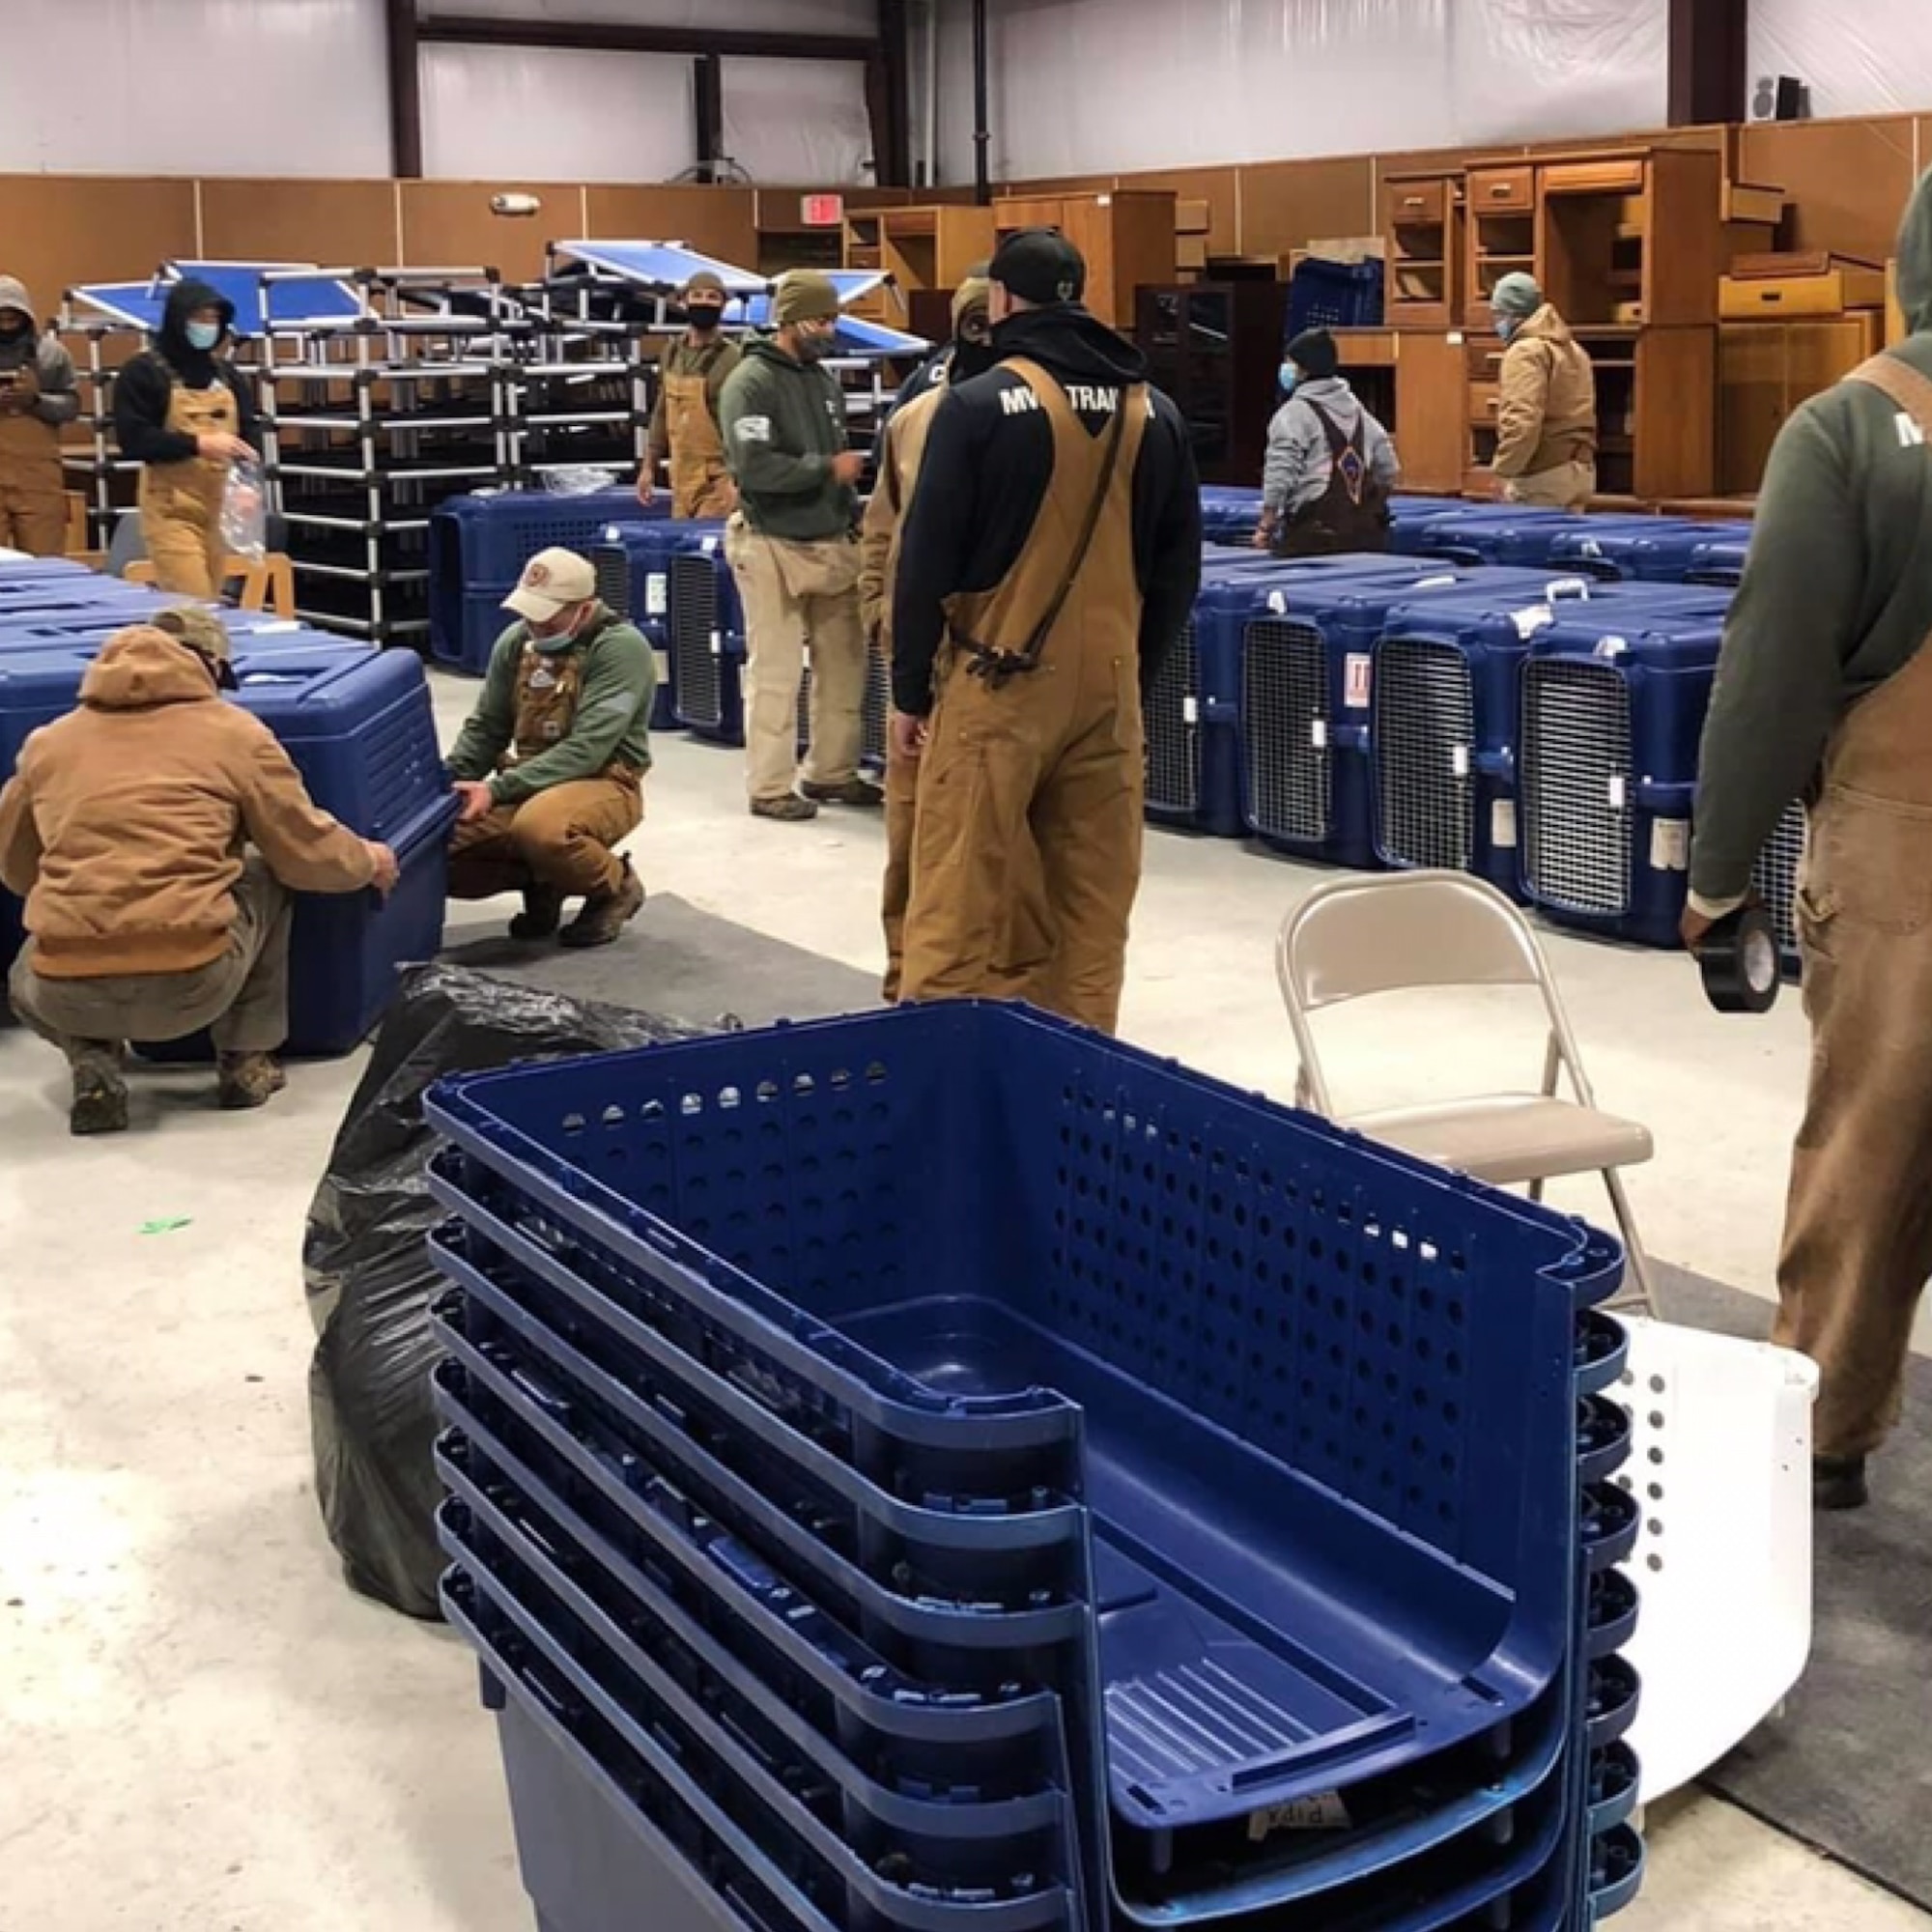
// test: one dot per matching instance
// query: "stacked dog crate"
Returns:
(357, 726)
(478, 545)
(1158, 1508)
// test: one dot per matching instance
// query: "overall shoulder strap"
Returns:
(1903, 383)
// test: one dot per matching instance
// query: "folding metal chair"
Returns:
(1405, 931)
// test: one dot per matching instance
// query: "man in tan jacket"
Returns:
(1547, 423)
(124, 830)
(969, 353)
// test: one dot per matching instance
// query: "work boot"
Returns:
(541, 916)
(851, 791)
(100, 1094)
(606, 914)
(1838, 1483)
(791, 809)
(247, 1080)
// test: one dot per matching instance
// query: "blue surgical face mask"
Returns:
(202, 334)
(1289, 377)
(1506, 326)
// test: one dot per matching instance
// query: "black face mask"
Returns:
(970, 359)
(703, 319)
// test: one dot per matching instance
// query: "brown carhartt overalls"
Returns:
(701, 484)
(1027, 848)
(181, 502)
(1858, 1237)
(33, 499)
(562, 836)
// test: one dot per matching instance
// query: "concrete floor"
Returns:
(201, 1730)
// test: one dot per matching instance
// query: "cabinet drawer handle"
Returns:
(1411, 201)
(1502, 190)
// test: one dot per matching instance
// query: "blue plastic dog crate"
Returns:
(1721, 560)
(1658, 550)
(1445, 712)
(1498, 533)
(1611, 722)
(1409, 515)
(793, 1523)
(1229, 514)
(478, 546)
(633, 563)
(1307, 665)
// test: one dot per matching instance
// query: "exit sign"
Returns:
(822, 210)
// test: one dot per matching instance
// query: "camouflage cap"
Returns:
(199, 628)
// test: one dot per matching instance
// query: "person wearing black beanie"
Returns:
(183, 412)
(1330, 464)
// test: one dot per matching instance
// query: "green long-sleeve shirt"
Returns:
(612, 722)
(1836, 597)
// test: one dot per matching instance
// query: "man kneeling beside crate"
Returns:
(550, 765)
(124, 830)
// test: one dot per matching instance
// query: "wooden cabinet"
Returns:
(1421, 249)
(1215, 349)
(1500, 234)
(1765, 369)
(919, 248)
(1127, 239)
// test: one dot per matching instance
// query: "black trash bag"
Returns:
(369, 1278)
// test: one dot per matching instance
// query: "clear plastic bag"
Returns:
(244, 510)
(579, 479)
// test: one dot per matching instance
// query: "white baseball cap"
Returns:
(552, 580)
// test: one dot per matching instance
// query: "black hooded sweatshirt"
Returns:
(986, 472)
(141, 388)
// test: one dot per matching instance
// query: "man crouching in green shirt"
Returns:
(550, 767)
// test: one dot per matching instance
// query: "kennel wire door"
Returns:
(1577, 786)
(1285, 733)
(1774, 879)
(697, 642)
(1172, 717)
(1423, 734)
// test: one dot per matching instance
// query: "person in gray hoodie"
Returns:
(1330, 464)
(36, 397)
(1824, 692)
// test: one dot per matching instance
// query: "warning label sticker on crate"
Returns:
(1671, 845)
(657, 594)
(1502, 822)
(1357, 670)
(1324, 1811)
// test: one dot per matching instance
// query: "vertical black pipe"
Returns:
(708, 102)
(406, 142)
(983, 136)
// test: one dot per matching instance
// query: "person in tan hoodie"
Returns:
(124, 828)
(1547, 421)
